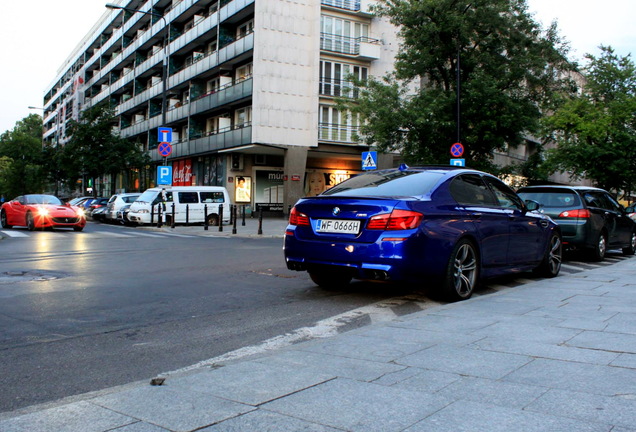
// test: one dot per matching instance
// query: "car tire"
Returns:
(330, 278)
(600, 248)
(631, 249)
(213, 220)
(551, 264)
(30, 222)
(3, 221)
(462, 272)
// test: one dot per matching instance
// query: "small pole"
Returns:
(152, 214)
(220, 217)
(159, 216)
(234, 209)
(260, 221)
(172, 222)
(243, 210)
(206, 223)
(187, 214)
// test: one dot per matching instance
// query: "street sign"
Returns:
(164, 149)
(164, 175)
(457, 150)
(369, 160)
(165, 135)
(458, 162)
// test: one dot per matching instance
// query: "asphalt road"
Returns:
(85, 311)
(80, 312)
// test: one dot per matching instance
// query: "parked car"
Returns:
(90, 207)
(98, 214)
(41, 211)
(445, 227)
(122, 215)
(116, 202)
(590, 218)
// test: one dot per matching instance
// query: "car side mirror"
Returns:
(532, 205)
(629, 209)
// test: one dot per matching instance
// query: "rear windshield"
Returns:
(553, 198)
(129, 199)
(388, 184)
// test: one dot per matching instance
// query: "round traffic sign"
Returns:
(164, 149)
(457, 149)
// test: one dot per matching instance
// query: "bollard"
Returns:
(187, 214)
(231, 213)
(152, 215)
(220, 217)
(159, 216)
(206, 223)
(234, 209)
(260, 221)
(243, 210)
(172, 222)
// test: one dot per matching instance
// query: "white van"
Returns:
(196, 198)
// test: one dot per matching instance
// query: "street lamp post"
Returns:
(164, 71)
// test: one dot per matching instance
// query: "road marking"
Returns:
(378, 312)
(111, 234)
(144, 234)
(15, 234)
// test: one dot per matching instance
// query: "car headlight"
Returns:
(142, 211)
(80, 213)
(43, 211)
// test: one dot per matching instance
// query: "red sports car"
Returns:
(41, 211)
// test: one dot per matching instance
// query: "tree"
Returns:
(21, 169)
(93, 150)
(595, 131)
(509, 71)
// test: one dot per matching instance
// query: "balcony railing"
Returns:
(344, 44)
(343, 4)
(337, 132)
(337, 88)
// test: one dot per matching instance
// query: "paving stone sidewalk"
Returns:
(550, 355)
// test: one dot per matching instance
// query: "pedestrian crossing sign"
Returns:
(369, 160)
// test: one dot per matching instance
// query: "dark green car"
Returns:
(590, 218)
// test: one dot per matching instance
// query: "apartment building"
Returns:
(249, 90)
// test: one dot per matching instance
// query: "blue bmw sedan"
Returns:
(446, 227)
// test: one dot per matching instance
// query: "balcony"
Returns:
(352, 5)
(205, 143)
(362, 48)
(337, 133)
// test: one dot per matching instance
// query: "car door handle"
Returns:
(476, 215)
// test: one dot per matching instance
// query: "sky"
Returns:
(39, 35)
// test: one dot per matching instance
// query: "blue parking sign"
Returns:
(164, 175)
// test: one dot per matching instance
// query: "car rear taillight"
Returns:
(576, 213)
(396, 220)
(298, 218)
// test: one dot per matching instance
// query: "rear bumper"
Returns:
(390, 260)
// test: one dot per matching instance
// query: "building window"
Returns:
(341, 35)
(245, 29)
(335, 125)
(334, 78)
(243, 117)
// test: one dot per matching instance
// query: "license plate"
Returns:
(338, 226)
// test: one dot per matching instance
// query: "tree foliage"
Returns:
(21, 163)
(595, 131)
(94, 150)
(509, 68)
